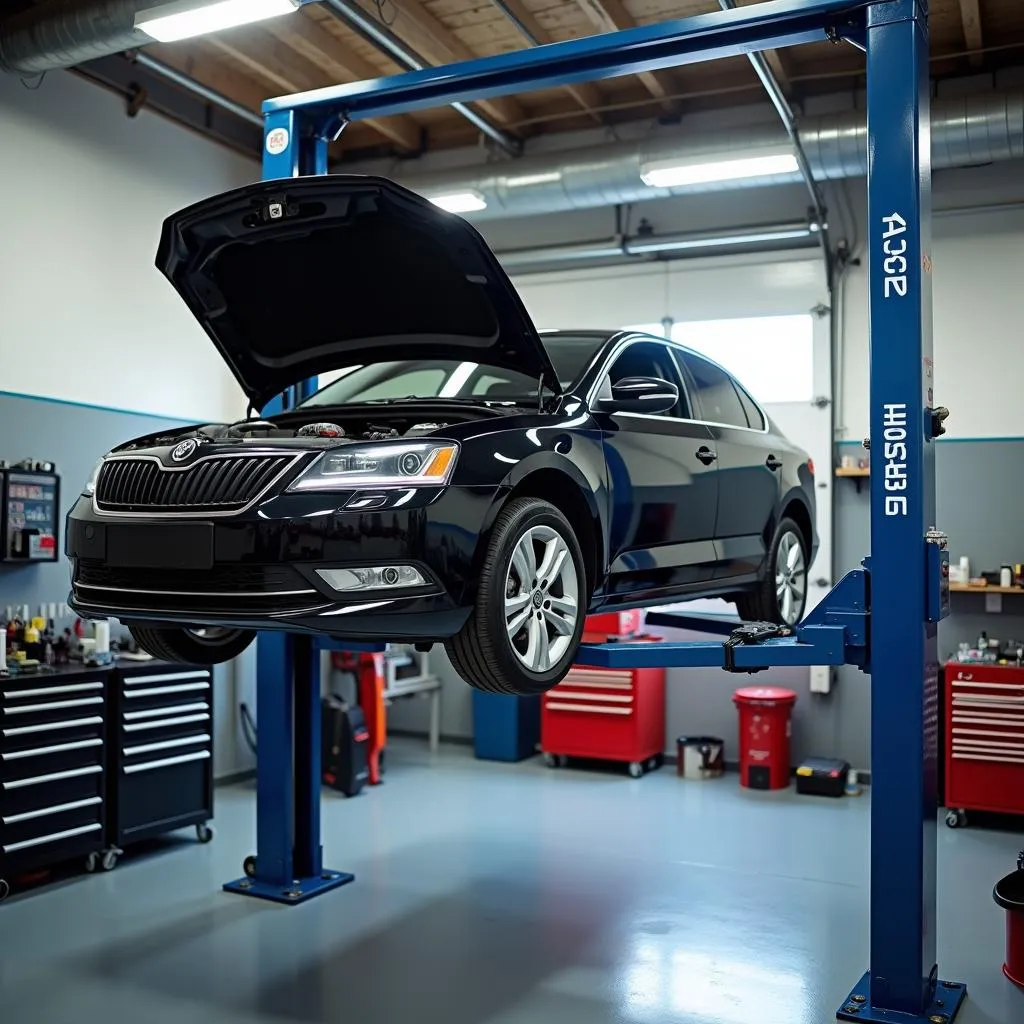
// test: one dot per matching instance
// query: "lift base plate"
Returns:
(298, 891)
(949, 997)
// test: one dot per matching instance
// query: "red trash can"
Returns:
(764, 736)
(1009, 894)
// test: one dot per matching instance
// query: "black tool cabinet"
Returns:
(53, 771)
(161, 751)
(93, 760)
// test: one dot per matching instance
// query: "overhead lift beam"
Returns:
(882, 617)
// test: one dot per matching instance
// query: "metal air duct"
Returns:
(971, 130)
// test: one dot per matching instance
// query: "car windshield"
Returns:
(450, 378)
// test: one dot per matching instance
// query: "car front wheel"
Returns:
(526, 625)
(782, 595)
(192, 646)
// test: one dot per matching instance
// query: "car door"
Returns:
(663, 485)
(748, 469)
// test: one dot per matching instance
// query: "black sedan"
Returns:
(464, 478)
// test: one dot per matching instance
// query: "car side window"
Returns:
(714, 394)
(649, 359)
(755, 418)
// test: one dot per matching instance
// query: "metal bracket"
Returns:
(949, 997)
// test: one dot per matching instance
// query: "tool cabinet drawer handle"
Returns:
(614, 698)
(183, 741)
(58, 748)
(988, 732)
(165, 723)
(594, 684)
(166, 762)
(57, 705)
(47, 691)
(1000, 744)
(597, 709)
(174, 709)
(159, 691)
(71, 723)
(957, 756)
(996, 718)
(168, 677)
(56, 837)
(1019, 687)
(39, 780)
(45, 812)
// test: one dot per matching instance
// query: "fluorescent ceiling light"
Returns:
(185, 18)
(669, 175)
(460, 202)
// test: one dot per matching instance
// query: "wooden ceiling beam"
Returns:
(199, 63)
(417, 27)
(612, 16)
(272, 60)
(325, 51)
(586, 94)
(970, 17)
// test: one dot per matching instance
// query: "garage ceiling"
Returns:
(315, 48)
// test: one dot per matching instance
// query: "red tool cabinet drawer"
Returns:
(606, 714)
(984, 713)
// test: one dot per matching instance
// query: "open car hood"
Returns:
(295, 277)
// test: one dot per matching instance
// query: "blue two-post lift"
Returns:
(882, 617)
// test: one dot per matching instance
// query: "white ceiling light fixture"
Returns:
(460, 202)
(678, 174)
(183, 19)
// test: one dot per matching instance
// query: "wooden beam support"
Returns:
(199, 63)
(586, 94)
(970, 16)
(612, 16)
(272, 60)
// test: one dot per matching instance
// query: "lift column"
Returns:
(904, 651)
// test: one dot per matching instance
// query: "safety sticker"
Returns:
(277, 141)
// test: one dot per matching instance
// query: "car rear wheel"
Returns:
(782, 595)
(526, 625)
(192, 646)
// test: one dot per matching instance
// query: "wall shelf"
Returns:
(966, 588)
(855, 473)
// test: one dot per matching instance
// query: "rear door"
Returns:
(748, 486)
(663, 482)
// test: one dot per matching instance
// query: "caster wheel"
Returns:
(92, 862)
(249, 866)
(956, 819)
(636, 769)
(563, 760)
(5, 889)
(109, 861)
(552, 760)
(652, 764)
(204, 833)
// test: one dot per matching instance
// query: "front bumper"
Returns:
(257, 570)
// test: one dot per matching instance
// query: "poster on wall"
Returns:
(29, 516)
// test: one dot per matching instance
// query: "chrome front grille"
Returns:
(219, 483)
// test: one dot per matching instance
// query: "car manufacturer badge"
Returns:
(183, 449)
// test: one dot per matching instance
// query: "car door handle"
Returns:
(706, 455)
(773, 463)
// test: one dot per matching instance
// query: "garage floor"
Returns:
(494, 894)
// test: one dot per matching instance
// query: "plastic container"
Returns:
(765, 728)
(700, 757)
(1009, 894)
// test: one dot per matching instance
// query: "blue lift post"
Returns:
(882, 617)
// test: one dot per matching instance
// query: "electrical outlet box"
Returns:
(821, 679)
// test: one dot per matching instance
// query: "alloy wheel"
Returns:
(541, 598)
(790, 579)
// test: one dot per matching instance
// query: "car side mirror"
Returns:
(640, 394)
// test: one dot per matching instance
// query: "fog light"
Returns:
(376, 577)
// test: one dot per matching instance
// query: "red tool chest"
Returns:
(984, 716)
(606, 714)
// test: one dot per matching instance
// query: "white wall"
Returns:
(86, 315)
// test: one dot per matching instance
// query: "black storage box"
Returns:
(345, 766)
(822, 776)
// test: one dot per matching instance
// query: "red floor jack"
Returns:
(368, 670)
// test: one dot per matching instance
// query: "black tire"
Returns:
(482, 652)
(175, 643)
(762, 604)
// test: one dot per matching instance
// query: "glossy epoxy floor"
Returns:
(503, 894)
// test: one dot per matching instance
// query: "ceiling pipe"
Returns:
(788, 118)
(381, 37)
(649, 246)
(965, 131)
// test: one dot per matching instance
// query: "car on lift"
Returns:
(462, 478)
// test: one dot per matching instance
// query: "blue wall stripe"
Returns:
(100, 408)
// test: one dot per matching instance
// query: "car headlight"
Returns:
(90, 486)
(423, 464)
